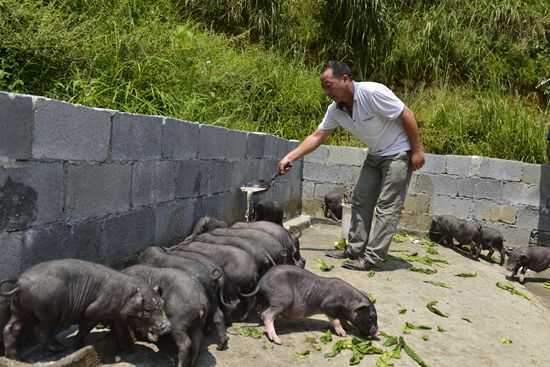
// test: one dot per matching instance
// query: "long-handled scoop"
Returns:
(251, 189)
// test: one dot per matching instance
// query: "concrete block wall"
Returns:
(99, 184)
(511, 196)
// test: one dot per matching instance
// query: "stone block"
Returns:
(85, 239)
(458, 165)
(255, 145)
(153, 182)
(437, 184)
(180, 139)
(481, 188)
(236, 145)
(531, 173)
(434, 163)
(11, 245)
(126, 234)
(235, 206)
(312, 207)
(521, 193)
(46, 243)
(321, 189)
(308, 189)
(338, 174)
(346, 155)
(31, 193)
(493, 212)
(271, 148)
(136, 137)
(513, 235)
(97, 189)
(282, 148)
(319, 155)
(16, 124)
(418, 204)
(446, 205)
(238, 171)
(528, 217)
(215, 177)
(174, 221)
(212, 142)
(70, 132)
(414, 222)
(501, 169)
(212, 206)
(188, 178)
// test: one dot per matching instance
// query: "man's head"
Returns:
(337, 82)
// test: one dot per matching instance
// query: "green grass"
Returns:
(466, 69)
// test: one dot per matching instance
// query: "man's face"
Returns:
(334, 88)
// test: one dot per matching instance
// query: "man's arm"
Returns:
(411, 129)
(309, 144)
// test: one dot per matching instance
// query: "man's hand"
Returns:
(417, 159)
(284, 165)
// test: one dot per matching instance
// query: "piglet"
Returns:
(295, 293)
(536, 258)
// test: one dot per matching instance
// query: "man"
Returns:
(377, 117)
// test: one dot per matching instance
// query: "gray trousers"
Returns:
(376, 203)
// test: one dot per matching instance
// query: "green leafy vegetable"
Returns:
(546, 285)
(505, 340)
(466, 319)
(340, 245)
(323, 266)
(326, 337)
(425, 337)
(250, 331)
(423, 270)
(402, 311)
(411, 353)
(438, 284)
(431, 306)
(510, 288)
(466, 275)
(303, 355)
(440, 329)
(371, 273)
(401, 237)
(409, 326)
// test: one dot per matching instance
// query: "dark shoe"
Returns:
(347, 253)
(358, 264)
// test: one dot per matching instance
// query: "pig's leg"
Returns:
(122, 334)
(45, 334)
(476, 250)
(522, 275)
(502, 256)
(84, 329)
(269, 316)
(197, 337)
(490, 254)
(11, 331)
(337, 326)
(184, 347)
(219, 325)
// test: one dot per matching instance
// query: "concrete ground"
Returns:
(480, 315)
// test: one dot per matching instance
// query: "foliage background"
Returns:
(468, 69)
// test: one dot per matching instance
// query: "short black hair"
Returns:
(338, 69)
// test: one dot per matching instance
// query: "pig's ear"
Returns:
(361, 306)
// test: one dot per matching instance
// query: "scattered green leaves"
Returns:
(409, 326)
(303, 354)
(466, 275)
(341, 244)
(426, 260)
(251, 331)
(546, 285)
(402, 311)
(505, 340)
(371, 273)
(423, 270)
(323, 266)
(411, 353)
(425, 337)
(431, 306)
(510, 288)
(466, 319)
(326, 337)
(440, 329)
(401, 237)
(358, 346)
(438, 284)
(371, 297)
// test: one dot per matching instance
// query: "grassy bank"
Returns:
(147, 57)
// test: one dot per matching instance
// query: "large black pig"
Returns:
(186, 305)
(58, 293)
(206, 272)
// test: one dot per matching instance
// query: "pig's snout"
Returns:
(373, 331)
